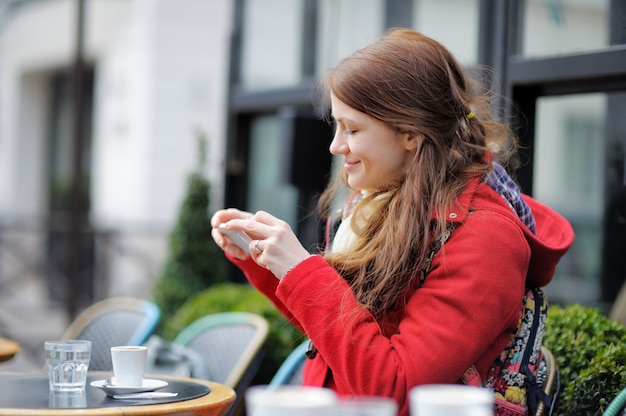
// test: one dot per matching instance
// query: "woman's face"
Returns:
(374, 155)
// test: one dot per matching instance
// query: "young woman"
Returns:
(424, 155)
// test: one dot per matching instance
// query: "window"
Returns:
(554, 27)
(453, 23)
(345, 26)
(272, 44)
(578, 168)
(267, 190)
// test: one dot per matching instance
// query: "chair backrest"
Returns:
(111, 322)
(550, 384)
(618, 309)
(290, 371)
(232, 346)
(230, 343)
(617, 406)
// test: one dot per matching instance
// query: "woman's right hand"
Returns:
(221, 217)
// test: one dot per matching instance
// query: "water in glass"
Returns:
(67, 364)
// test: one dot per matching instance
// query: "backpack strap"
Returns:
(434, 249)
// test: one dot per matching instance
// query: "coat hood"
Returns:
(548, 233)
(554, 236)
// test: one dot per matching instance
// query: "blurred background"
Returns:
(101, 103)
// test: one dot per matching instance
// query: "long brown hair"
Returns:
(414, 85)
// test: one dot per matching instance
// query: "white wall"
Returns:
(37, 38)
(161, 71)
(164, 76)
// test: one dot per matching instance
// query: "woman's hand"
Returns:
(274, 246)
(222, 217)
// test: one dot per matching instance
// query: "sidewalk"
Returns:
(27, 317)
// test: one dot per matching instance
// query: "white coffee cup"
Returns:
(366, 406)
(290, 401)
(451, 400)
(129, 364)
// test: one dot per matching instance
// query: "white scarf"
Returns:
(345, 239)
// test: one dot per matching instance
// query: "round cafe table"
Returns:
(29, 394)
(8, 348)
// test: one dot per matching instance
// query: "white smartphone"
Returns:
(238, 238)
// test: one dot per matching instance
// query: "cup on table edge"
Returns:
(67, 362)
(129, 365)
(263, 400)
(451, 400)
(366, 406)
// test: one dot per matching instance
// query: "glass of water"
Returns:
(67, 361)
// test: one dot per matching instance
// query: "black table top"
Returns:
(31, 391)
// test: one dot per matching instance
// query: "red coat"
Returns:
(463, 315)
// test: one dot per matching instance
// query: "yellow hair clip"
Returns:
(470, 116)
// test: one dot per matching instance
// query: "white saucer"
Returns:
(112, 389)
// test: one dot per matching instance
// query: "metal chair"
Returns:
(550, 383)
(617, 405)
(618, 309)
(232, 346)
(111, 322)
(290, 371)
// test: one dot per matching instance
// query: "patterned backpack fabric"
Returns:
(514, 376)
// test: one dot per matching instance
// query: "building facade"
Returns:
(244, 72)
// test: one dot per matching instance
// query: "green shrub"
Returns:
(590, 352)
(227, 297)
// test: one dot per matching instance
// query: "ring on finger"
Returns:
(257, 248)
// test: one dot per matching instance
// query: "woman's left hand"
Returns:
(276, 247)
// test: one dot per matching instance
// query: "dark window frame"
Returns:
(521, 80)
(524, 80)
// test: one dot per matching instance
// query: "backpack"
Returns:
(515, 376)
